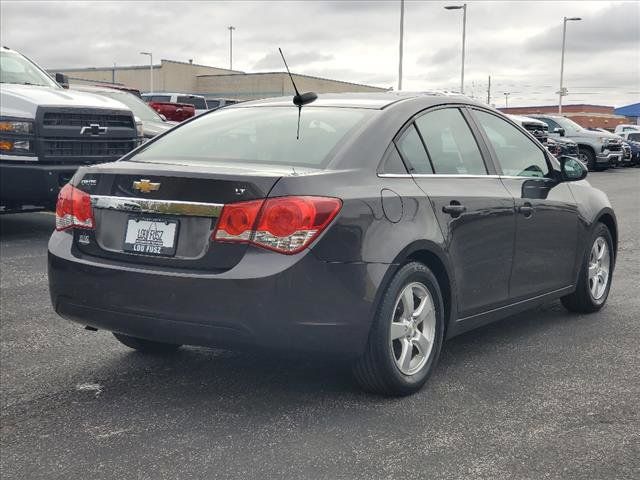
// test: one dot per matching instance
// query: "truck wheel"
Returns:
(145, 346)
(406, 335)
(587, 157)
(596, 274)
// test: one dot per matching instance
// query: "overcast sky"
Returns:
(517, 43)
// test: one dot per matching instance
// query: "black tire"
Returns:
(145, 346)
(581, 300)
(587, 155)
(376, 370)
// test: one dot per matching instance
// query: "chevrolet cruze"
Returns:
(370, 226)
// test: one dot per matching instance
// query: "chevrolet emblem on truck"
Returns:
(146, 186)
(93, 129)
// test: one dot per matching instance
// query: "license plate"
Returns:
(151, 236)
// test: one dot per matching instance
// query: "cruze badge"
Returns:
(146, 186)
(93, 129)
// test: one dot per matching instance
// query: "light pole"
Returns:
(401, 40)
(464, 35)
(231, 29)
(506, 99)
(562, 92)
(150, 70)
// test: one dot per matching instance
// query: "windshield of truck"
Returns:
(263, 135)
(568, 125)
(14, 68)
(140, 109)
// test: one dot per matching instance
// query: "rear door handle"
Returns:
(526, 209)
(454, 209)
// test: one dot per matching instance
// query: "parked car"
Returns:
(47, 132)
(626, 128)
(598, 150)
(152, 123)
(632, 139)
(174, 112)
(215, 103)
(627, 157)
(198, 101)
(536, 127)
(370, 228)
(561, 146)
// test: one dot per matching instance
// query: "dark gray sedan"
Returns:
(371, 226)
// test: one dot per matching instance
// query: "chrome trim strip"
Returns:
(19, 158)
(452, 175)
(167, 207)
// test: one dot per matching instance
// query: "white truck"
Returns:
(47, 132)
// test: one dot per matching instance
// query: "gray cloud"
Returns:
(517, 43)
(273, 60)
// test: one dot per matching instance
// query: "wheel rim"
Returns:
(413, 327)
(599, 265)
(584, 158)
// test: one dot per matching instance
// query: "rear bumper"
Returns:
(268, 300)
(32, 184)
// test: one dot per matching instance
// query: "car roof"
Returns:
(373, 100)
(523, 119)
(173, 93)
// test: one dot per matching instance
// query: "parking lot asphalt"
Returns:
(544, 394)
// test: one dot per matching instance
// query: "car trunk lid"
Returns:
(164, 215)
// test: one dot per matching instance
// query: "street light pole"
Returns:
(562, 92)
(506, 99)
(462, 7)
(401, 40)
(231, 29)
(150, 70)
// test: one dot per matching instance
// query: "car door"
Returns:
(475, 212)
(547, 215)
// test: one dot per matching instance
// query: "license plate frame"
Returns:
(153, 245)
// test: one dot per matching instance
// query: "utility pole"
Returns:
(489, 91)
(563, 91)
(150, 69)
(113, 73)
(231, 29)
(401, 40)
(462, 7)
(506, 99)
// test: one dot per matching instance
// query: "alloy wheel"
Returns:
(413, 328)
(599, 265)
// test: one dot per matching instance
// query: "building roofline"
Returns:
(295, 74)
(140, 67)
(556, 106)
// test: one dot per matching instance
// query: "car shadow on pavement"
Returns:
(208, 378)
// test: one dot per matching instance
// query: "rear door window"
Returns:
(412, 150)
(516, 153)
(158, 98)
(450, 144)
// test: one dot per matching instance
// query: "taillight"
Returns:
(283, 224)
(73, 209)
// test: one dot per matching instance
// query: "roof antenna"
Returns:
(299, 99)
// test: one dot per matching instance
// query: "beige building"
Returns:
(212, 82)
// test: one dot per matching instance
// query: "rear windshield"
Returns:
(197, 102)
(262, 135)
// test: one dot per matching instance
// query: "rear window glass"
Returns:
(197, 102)
(262, 135)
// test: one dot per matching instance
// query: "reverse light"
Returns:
(282, 224)
(73, 209)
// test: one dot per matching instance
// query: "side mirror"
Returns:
(572, 169)
(559, 130)
(62, 79)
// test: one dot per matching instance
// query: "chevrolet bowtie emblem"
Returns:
(146, 186)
